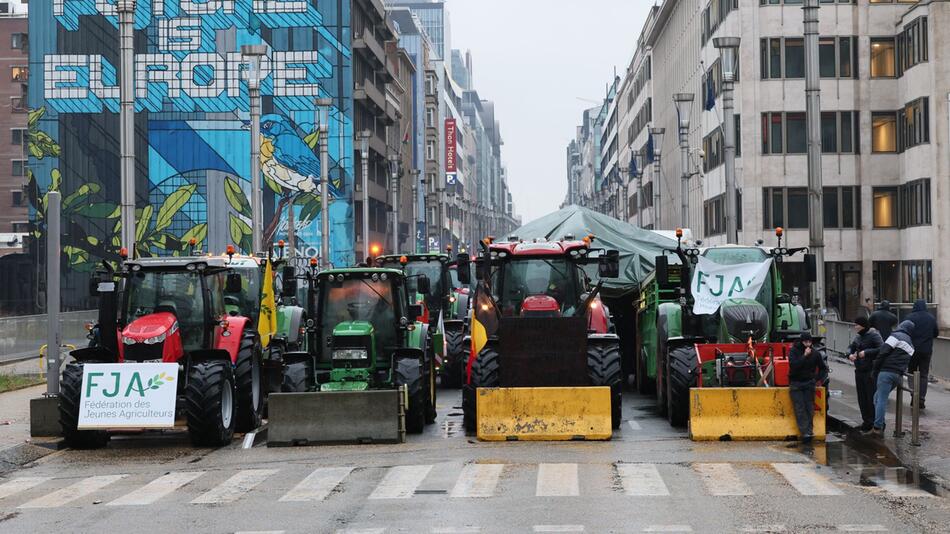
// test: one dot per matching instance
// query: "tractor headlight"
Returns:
(128, 341)
(350, 354)
(157, 339)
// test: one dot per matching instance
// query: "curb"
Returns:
(17, 456)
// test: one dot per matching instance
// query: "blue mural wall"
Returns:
(191, 134)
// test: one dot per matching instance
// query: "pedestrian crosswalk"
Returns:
(475, 480)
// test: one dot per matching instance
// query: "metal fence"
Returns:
(21, 337)
(839, 335)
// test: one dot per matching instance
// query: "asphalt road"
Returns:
(649, 478)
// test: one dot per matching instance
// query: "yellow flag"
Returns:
(267, 321)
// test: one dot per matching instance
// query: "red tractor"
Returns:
(173, 310)
(553, 329)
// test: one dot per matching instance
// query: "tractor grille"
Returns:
(141, 352)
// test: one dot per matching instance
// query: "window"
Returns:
(20, 73)
(785, 206)
(795, 133)
(794, 58)
(838, 132)
(714, 146)
(19, 41)
(904, 206)
(883, 60)
(714, 214)
(841, 207)
(786, 133)
(18, 136)
(903, 281)
(430, 117)
(430, 150)
(19, 167)
(837, 57)
(885, 207)
(16, 198)
(883, 132)
(914, 123)
(912, 45)
(430, 84)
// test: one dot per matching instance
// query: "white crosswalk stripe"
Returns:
(233, 488)
(862, 528)
(634, 425)
(401, 482)
(557, 480)
(771, 529)
(317, 485)
(72, 492)
(362, 531)
(20, 484)
(806, 479)
(893, 486)
(721, 479)
(478, 480)
(668, 528)
(260, 532)
(558, 528)
(456, 530)
(157, 489)
(642, 480)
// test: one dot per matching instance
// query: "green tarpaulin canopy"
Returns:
(637, 247)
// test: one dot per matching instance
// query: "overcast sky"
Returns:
(535, 59)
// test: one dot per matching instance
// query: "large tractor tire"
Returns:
(298, 378)
(681, 372)
(210, 403)
(485, 374)
(432, 394)
(645, 386)
(274, 366)
(409, 373)
(605, 368)
(452, 366)
(249, 378)
(69, 400)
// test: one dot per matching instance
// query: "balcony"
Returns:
(367, 44)
(370, 94)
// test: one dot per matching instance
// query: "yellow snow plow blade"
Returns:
(749, 414)
(543, 413)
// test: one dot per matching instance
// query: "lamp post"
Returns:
(364, 156)
(252, 54)
(729, 52)
(126, 10)
(684, 105)
(816, 223)
(415, 209)
(657, 134)
(638, 158)
(323, 104)
(394, 195)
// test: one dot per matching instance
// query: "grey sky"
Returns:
(534, 58)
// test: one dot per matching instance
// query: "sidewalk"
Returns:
(16, 445)
(933, 455)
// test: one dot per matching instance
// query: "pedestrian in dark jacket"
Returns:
(890, 364)
(865, 338)
(805, 367)
(883, 319)
(925, 330)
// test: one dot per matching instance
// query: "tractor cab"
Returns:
(434, 267)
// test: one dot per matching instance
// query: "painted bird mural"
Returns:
(287, 159)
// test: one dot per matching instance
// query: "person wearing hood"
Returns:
(883, 319)
(866, 337)
(925, 330)
(805, 368)
(890, 364)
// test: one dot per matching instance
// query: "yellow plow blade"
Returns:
(543, 413)
(749, 414)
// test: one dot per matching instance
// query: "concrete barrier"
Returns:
(330, 417)
(749, 414)
(543, 414)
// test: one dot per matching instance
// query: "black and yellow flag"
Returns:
(484, 324)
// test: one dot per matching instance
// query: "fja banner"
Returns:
(714, 283)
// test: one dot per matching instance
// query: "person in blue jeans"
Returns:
(890, 363)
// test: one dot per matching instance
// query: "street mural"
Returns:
(191, 127)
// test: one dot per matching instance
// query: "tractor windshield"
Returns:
(736, 255)
(359, 299)
(177, 292)
(430, 269)
(519, 279)
(247, 303)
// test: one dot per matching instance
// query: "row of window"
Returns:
(785, 132)
(903, 281)
(784, 57)
(714, 145)
(901, 206)
(634, 207)
(714, 217)
(897, 131)
(714, 14)
(799, 2)
(641, 120)
(639, 82)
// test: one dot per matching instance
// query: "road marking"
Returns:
(766, 528)
(456, 530)
(642, 480)
(235, 487)
(157, 489)
(76, 491)
(557, 480)
(401, 482)
(806, 479)
(478, 480)
(361, 531)
(668, 528)
(21, 484)
(893, 486)
(248, 442)
(721, 479)
(558, 528)
(261, 532)
(634, 425)
(862, 528)
(318, 485)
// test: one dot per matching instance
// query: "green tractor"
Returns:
(367, 337)
(676, 347)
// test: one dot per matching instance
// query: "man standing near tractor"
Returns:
(890, 364)
(806, 369)
(865, 338)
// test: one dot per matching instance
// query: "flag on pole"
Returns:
(267, 321)
(651, 155)
(633, 166)
(710, 101)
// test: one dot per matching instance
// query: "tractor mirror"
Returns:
(233, 284)
(94, 286)
(480, 273)
(662, 264)
(289, 282)
(811, 267)
(423, 285)
(464, 268)
(415, 310)
(609, 266)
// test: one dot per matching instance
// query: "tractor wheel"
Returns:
(681, 373)
(485, 374)
(210, 403)
(248, 376)
(298, 377)
(431, 395)
(645, 386)
(69, 399)
(273, 370)
(605, 369)
(409, 373)
(452, 368)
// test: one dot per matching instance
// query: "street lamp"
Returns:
(684, 105)
(657, 134)
(394, 195)
(126, 10)
(364, 155)
(323, 104)
(252, 55)
(729, 52)
(415, 209)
